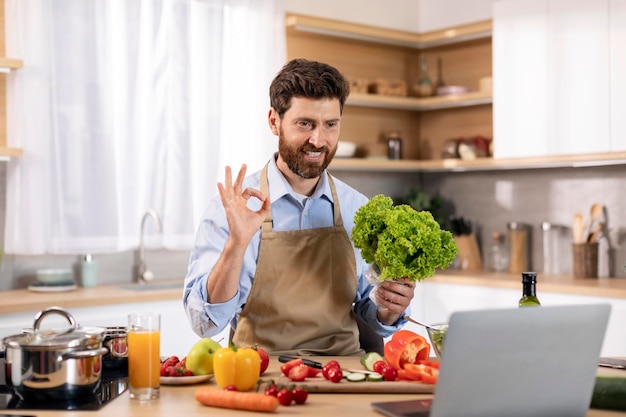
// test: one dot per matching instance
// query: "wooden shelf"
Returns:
(336, 28)
(474, 98)
(7, 153)
(10, 63)
(479, 164)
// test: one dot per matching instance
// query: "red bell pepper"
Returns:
(405, 347)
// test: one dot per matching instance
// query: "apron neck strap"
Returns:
(267, 223)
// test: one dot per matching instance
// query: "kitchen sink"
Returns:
(152, 287)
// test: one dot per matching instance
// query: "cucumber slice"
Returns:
(375, 377)
(356, 377)
(369, 359)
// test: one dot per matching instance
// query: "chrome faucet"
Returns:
(143, 274)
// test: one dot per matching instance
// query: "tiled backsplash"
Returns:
(489, 199)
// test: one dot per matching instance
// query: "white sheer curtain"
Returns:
(126, 105)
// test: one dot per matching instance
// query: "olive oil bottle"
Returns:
(529, 290)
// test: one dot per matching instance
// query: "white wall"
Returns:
(409, 15)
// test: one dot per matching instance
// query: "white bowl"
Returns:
(54, 276)
(345, 149)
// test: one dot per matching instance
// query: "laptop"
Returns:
(526, 362)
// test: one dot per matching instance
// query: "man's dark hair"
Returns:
(308, 79)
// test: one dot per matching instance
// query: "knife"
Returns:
(318, 365)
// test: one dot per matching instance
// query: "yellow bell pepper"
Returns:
(237, 367)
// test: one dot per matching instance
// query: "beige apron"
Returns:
(301, 299)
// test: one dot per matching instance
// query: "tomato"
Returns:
(406, 346)
(379, 366)
(390, 374)
(299, 395)
(334, 374)
(298, 373)
(313, 372)
(272, 390)
(285, 397)
(331, 365)
(420, 372)
(265, 358)
(230, 388)
(284, 368)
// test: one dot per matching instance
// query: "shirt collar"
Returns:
(279, 186)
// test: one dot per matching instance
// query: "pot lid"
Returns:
(70, 337)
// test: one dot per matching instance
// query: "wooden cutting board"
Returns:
(320, 384)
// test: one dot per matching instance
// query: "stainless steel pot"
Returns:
(116, 342)
(54, 364)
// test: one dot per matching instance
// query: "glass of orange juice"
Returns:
(144, 360)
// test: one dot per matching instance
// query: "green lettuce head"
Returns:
(401, 241)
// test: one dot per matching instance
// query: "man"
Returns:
(273, 255)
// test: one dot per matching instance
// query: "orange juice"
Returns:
(144, 358)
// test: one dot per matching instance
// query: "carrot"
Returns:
(250, 401)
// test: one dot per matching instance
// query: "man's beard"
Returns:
(296, 162)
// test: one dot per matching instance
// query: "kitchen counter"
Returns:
(23, 300)
(180, 401)
(564, 284)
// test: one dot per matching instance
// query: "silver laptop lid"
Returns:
(527, 362)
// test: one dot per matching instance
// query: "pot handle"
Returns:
(82, 354)
(54, 310)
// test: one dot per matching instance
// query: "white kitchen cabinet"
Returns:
(520, 60)
(556, 63)
(617, 36)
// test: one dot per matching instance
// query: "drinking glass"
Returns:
(144, 360)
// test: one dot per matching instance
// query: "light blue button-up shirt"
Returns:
(290, 211)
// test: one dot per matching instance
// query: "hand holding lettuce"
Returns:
(401, 241)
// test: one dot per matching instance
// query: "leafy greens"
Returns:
(401, 241)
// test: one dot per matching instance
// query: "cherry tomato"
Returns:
(285, 397)
(335, 374)
(330, 366)
(272, 390)
(265, 358)
(390, 374)
(230, 388)
(379, 366)
(313, 372)
(299, 395)
(298, 373)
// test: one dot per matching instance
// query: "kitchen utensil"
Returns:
(419, 323)
(116, 341)
(595, 235)
(578, 228)
(519, 241)
(63, 364)
(596, 212)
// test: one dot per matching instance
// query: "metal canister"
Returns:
(519, 245)
(394, 146)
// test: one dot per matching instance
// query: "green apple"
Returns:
(200, 356)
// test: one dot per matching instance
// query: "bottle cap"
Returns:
(87, 258)
(529, 277)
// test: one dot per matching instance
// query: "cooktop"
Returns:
(113, 383)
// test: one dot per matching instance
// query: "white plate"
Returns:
(184, 380)
(39, 287)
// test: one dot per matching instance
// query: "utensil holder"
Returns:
(585, 260)
(469, 254)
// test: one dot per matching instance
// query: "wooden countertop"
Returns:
(564, 284)
(23, 300)
(180, 401)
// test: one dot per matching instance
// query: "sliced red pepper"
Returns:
(432, 364)
(404, 347)
(286, 367)
(420, 372)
